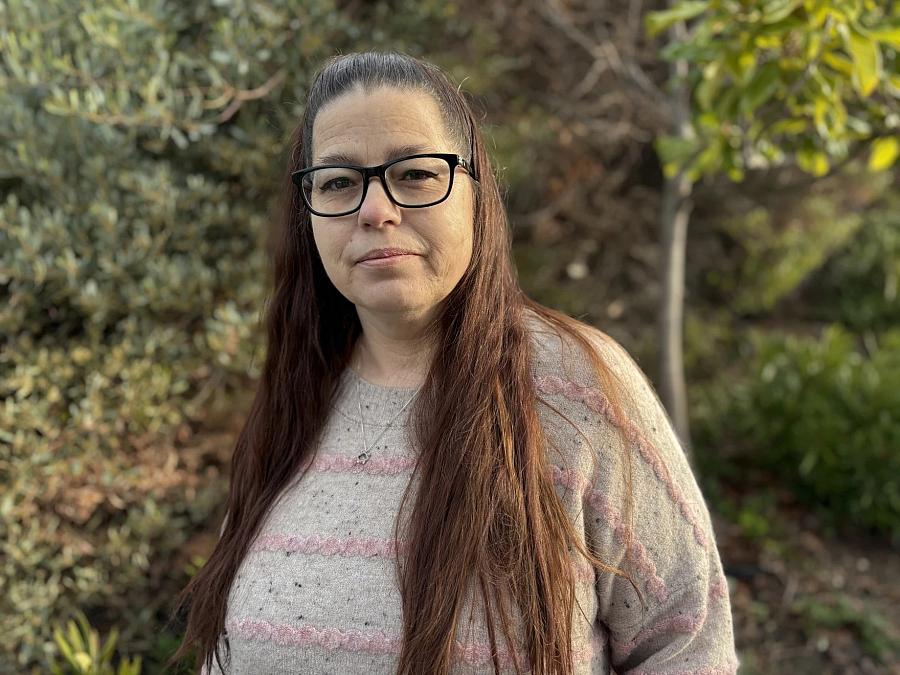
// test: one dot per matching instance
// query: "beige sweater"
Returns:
(317, 591)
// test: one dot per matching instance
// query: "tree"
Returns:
(757, 85)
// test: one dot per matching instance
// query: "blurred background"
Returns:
(713, 183)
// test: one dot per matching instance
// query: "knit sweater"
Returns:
(317, 591)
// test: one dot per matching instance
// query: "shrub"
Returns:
(822, 417)
(860, 287)
(140, 151)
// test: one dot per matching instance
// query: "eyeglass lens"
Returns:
(412, 182)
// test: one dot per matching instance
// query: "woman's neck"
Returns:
(391, 359)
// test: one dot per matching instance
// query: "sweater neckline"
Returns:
(379, 403)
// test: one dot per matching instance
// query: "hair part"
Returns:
(482, 452)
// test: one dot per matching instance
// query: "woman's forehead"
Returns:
(377, 126)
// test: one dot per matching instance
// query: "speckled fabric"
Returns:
(317, 592)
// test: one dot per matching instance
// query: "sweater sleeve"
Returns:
(685, 625)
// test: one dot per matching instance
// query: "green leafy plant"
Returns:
(80, 646)
(860, 286)
(777, 80)
(877, 637)
(139, 156)
(820, 416)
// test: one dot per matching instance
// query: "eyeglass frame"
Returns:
(453, 160)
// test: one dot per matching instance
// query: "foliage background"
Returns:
(140, 147)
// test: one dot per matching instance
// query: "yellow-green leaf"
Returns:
(813, 161)
(776, 10)
(767, 41)
(866, 61)
(884, 153)
(793, 126)
(64, 647)
(656, 22)
(838, 63)
(893, 86)
(82, 662)
(889, 36)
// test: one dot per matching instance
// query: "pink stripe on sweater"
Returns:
(719, 589)
(597, 401)
(342, 546)
(377, 642)
(669, 625)
(397, 465)
(690, 625)
(358, 546)
(286, 635)
(638, 555)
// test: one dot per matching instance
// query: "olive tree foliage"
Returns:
(758, 85)
(803, 81)
(140, 146)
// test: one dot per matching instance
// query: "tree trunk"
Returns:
(675, 215)
(676, 209)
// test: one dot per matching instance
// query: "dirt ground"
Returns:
(804, 603)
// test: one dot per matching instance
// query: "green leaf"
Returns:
(893, 86)
(674, 148)
(726, 104)
(691, 51)
(83, 662)
(838, 63)
(75, 640)
(764, 83)
(791, 126)
(708, 86)
(889, 36)
(884, 153)
(109, 647)
(813, 161)
(656, 22)
(866, 61)
(709, 159)
(63, 645)
(776, 10)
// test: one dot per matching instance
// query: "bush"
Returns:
(822, 417)
(137, 166)
(860, 287)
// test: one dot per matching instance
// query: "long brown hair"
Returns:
(482, 454)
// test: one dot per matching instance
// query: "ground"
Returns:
(805, 602)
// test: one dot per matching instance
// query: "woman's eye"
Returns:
(335, 184)
(419, 174)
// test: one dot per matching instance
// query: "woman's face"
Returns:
(369, 129)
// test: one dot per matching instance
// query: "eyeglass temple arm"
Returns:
(470, 164)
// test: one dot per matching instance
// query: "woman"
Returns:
(439, 474)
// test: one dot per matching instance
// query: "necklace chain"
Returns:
(363, 457)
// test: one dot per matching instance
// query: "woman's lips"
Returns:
(387, 261)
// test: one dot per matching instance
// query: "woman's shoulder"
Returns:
(558, 356)
(622, 411)
(578, 400)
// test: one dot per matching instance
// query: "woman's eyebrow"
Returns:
(393, 153)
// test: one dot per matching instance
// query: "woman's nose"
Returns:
(377, 206)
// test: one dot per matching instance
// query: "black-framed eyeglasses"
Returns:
(413, 182)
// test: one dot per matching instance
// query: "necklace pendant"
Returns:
(363, 457)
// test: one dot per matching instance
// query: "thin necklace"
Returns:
(363, 457)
